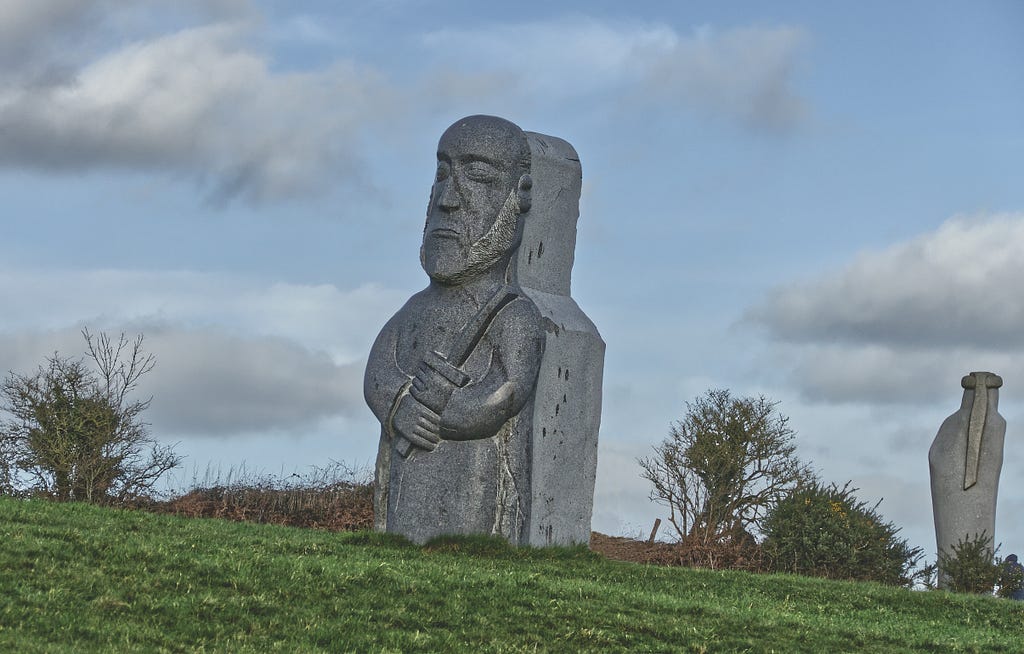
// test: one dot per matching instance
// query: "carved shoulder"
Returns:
(518, 332)
(521, 316)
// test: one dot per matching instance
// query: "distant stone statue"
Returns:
(964, 461)
(482, 430)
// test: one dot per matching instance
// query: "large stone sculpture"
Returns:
(487, 383)
(965, 460)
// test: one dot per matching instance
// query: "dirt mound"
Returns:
(620, 548)
(746, 556)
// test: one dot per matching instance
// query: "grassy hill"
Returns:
(77, 578)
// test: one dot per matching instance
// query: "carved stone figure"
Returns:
(965, 460)
(458, 375)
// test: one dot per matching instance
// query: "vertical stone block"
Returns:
(964, 463)
(567, 405)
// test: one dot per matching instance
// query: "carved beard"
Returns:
(499, 240)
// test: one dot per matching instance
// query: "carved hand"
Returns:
(435, 381)
(416, 423)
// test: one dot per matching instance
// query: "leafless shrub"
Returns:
(73, 431)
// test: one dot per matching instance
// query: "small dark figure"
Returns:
(1013, 576)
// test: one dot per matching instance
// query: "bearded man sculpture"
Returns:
(453, 376)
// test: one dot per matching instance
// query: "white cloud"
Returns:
(41, 39)
(36, 35)
(880, 374)
(904, 323)
(746, 74)
(949, 287)
(23, 23)
(190, 89)
(200, 103)
(322, 317)
(210, 382)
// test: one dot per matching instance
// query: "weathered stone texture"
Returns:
(488, 382)
(964, 463)
(567, 406)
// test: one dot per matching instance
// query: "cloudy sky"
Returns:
(820, 204)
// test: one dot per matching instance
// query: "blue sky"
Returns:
(816, 202)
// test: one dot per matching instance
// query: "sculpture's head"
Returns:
(481, 189)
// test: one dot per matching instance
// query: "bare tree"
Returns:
(74, 431)
(723, 466)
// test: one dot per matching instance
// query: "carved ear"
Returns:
(523, 189)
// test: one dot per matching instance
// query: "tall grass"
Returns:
(336, 497)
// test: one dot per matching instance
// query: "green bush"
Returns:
(971, 567)
(722, 466)
(825, 531)
(73, 432)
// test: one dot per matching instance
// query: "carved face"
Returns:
(475, 201)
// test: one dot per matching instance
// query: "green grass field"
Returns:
(77, 578)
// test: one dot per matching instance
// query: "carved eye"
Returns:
(443, 170)
(478, 171)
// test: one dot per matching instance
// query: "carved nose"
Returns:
(448, 200)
